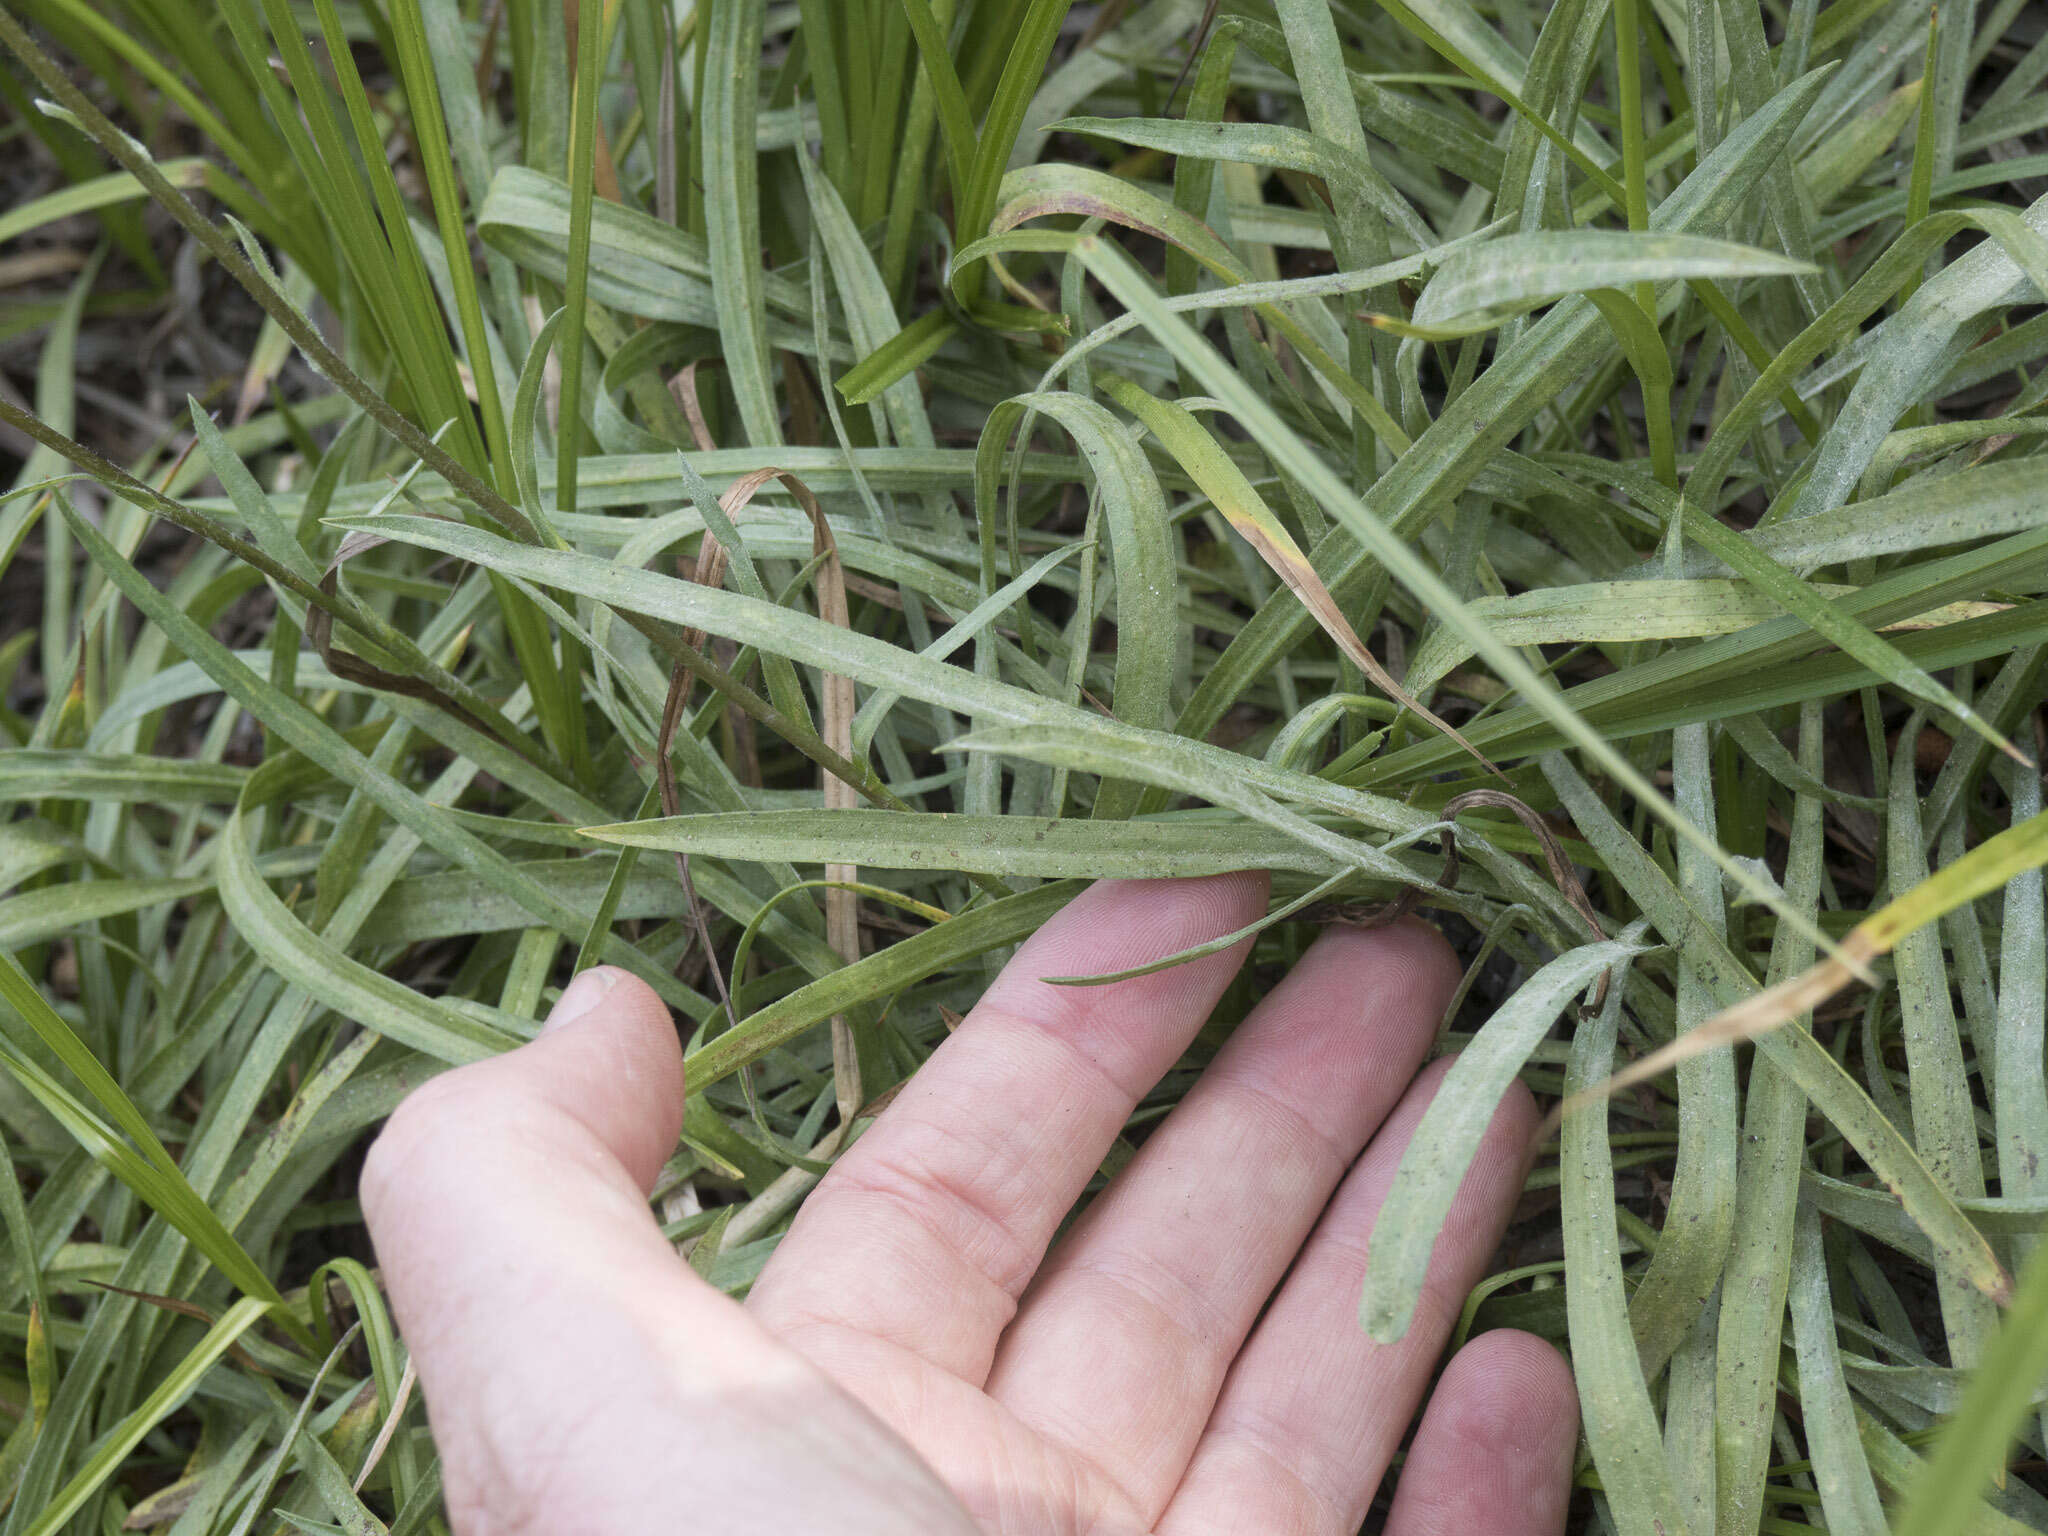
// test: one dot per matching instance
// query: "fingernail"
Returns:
(581, 995)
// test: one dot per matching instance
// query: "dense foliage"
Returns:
(471, 454)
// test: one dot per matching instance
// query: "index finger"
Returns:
(930, 1226)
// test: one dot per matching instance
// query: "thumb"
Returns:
(507, 1202)
(548, 1149)
(608, 1063)
(577, 1374)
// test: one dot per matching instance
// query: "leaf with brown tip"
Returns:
(1239, 501)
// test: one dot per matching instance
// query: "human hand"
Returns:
(912, 1359)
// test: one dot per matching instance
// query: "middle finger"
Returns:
(1123, 1339)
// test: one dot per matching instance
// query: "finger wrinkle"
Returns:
(946, 1159)
(1162, 1302)
(1063, 1034)
(1344, 1032)
(976, 1236)
(1291, 1502)
(1292, 1130)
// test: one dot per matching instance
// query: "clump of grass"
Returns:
(1247, 429)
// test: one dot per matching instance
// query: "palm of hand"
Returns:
(1145, 1375)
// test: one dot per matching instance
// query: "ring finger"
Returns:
(1314, 1409)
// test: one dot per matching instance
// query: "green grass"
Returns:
(1655, 391)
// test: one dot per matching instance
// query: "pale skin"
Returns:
(920, 1355)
